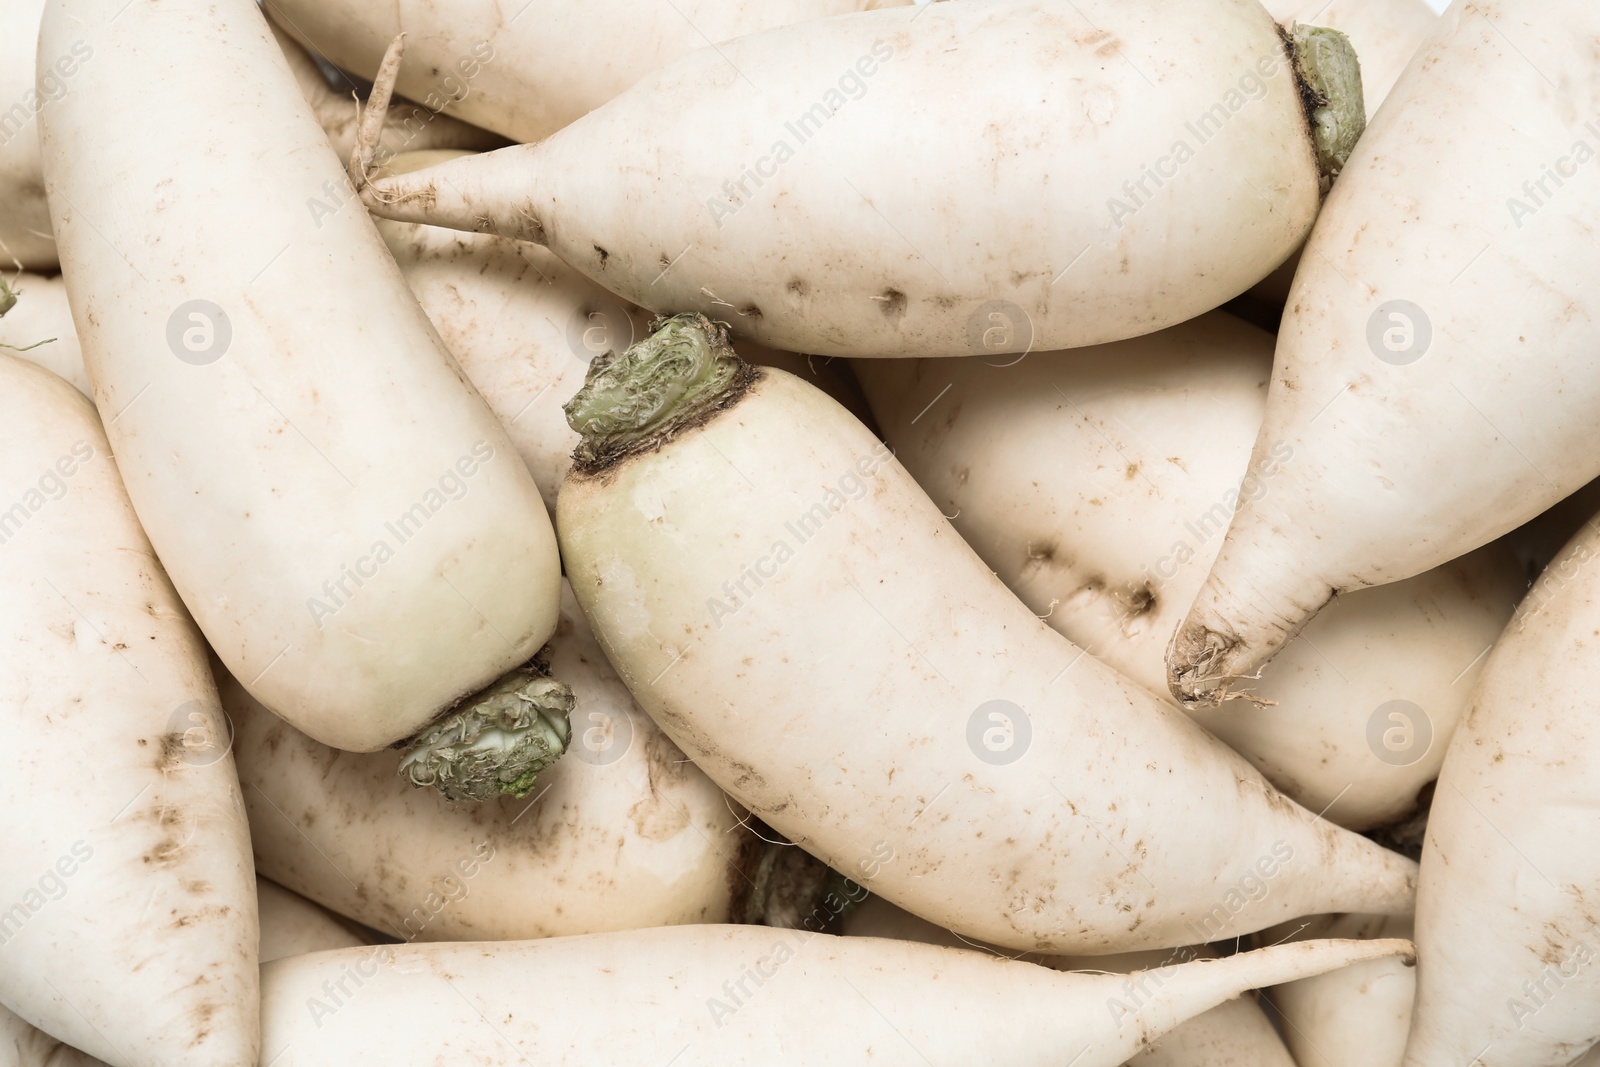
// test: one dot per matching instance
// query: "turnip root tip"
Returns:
(678, 376)
(1330, 85)
(497, 743)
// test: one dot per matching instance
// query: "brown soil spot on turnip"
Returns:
(892, 302)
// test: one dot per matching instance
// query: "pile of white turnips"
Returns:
(799, 532)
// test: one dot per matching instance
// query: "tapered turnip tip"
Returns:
(495, 743)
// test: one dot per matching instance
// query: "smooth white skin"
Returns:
(1385, 35)
(1098, 485)
(25, 239)
(1400, 468)
(1540, 540)
(1234, 1034)
(645, 996)
(1358, 1016)
(977, 165)
(409, 128)
(836, 701)
(291, 924)
(524, 327)
(643, 840)
(42, 312)
(126, 895)
(1497, 911)
(526, 72)
(334, 411)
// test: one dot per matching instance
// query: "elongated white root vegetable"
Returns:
(739, 997)
(127, 909)
(25, 231)
(624, 832)
(1230, 1034)
(292, 925)
(1373, 347)
(757, 568)
(523, 326)
(1358, 1016)
(527, 73)
(25, 239)
(1503, 908)
(41, 324)
(339, 509)
(1098, 485)
(1385, 34)
(22, 1045)
(408, 128)
(834, 210)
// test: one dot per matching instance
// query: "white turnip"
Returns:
(292, 925)
(127, 903)
(1357, 1016)
(798, 616)
(731, 996)
(1511, 971)
(1427, 416)
(1098, 485)
(408, 128)
(914, 181)
(338, 508)
(523, 326)
(624, 832)
(528, 71)
(1226, 1036)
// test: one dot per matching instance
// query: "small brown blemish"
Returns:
(603, 254)
(892, 302)
(750, 311)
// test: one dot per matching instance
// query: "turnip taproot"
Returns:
(25, 239)
(1511, 973)
(1357, 1016)
(529, 71)
(624, 832)
(338, 508)
(760, 572)
(834, 201)
(292, 925)
(733, 996)
(1426, 416)
(39, 329)
(1098, 485)
(408, 128)
(523, 326)
(127, 904)
(1230, 1034)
